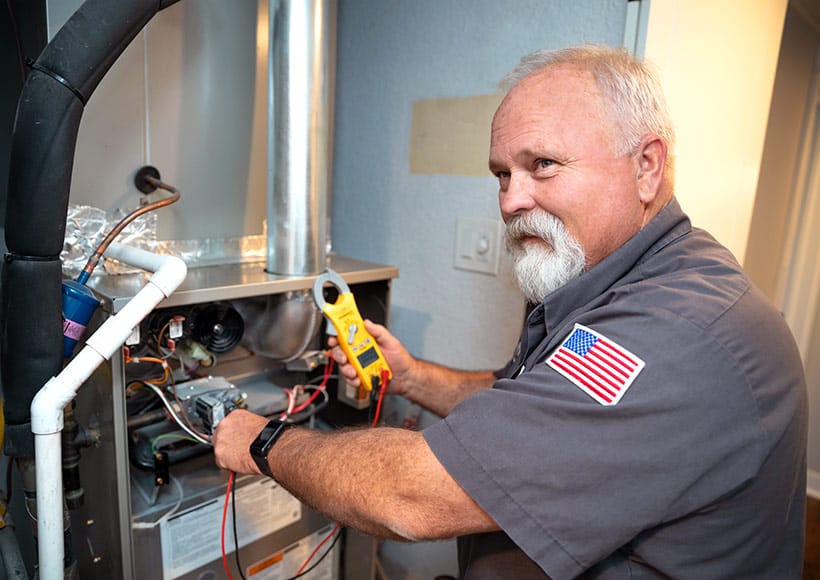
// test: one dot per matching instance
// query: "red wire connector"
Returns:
(382, 384)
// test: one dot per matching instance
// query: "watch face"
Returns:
(268, 431)
(266, 438)
(263, 442)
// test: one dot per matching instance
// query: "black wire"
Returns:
(236, 540)
(235, 537)
(311, 411)
(319, 561)
(371, 406)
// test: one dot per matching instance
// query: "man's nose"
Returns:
(517, 196)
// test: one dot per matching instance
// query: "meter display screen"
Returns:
(368, 357)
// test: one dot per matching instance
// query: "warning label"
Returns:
(192, 538)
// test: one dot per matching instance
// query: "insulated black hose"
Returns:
(42, 157)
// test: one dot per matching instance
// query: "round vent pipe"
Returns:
(301, 71)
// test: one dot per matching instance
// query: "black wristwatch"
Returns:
(264, 441)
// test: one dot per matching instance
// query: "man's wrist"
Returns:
(264, 442)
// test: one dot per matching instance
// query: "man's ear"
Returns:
(651, 159)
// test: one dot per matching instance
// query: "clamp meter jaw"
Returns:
(357, 344)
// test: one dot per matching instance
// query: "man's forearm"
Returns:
(384, 482)
(439, 388)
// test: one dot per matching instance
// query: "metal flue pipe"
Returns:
(301, 71)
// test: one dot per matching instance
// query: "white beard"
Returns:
(540, 269)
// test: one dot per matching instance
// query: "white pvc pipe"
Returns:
(47, 406)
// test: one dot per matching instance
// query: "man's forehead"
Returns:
(560, 71)
(553, 84)
(555, 91)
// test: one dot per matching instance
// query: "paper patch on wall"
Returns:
(452, 136)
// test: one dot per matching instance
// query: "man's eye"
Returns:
(503, 177)
(544, 163)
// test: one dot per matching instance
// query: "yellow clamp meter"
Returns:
(359, 346)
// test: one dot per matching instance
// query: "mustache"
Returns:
(542, 225)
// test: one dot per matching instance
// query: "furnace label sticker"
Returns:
(286, 563)
(191, 538)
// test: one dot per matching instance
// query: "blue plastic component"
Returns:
(79, 304)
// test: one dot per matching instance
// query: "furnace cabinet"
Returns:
(126, 525)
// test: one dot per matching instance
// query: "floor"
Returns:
(811, 560)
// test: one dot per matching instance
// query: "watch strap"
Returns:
(263, 443)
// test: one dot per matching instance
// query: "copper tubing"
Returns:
(95, 257)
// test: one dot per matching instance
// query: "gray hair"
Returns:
(629, 85)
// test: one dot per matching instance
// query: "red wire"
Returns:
(224, 519)
(325, 378)
(318, 391)
(316, 549)
(382, 390)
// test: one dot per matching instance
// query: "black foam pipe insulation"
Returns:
(49, 111)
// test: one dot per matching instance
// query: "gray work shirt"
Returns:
(698, 468)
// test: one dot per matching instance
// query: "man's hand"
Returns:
(400, 361)
(435, 387)
(232, 440)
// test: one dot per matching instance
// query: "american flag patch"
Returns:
(598, 366)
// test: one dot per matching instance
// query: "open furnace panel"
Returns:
(148, 501)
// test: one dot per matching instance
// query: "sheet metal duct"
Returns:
(301, 71)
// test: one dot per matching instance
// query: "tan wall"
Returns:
(767, 236)
(717, 61)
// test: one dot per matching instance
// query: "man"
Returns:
(652, 422)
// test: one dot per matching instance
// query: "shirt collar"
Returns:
(670, 224)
